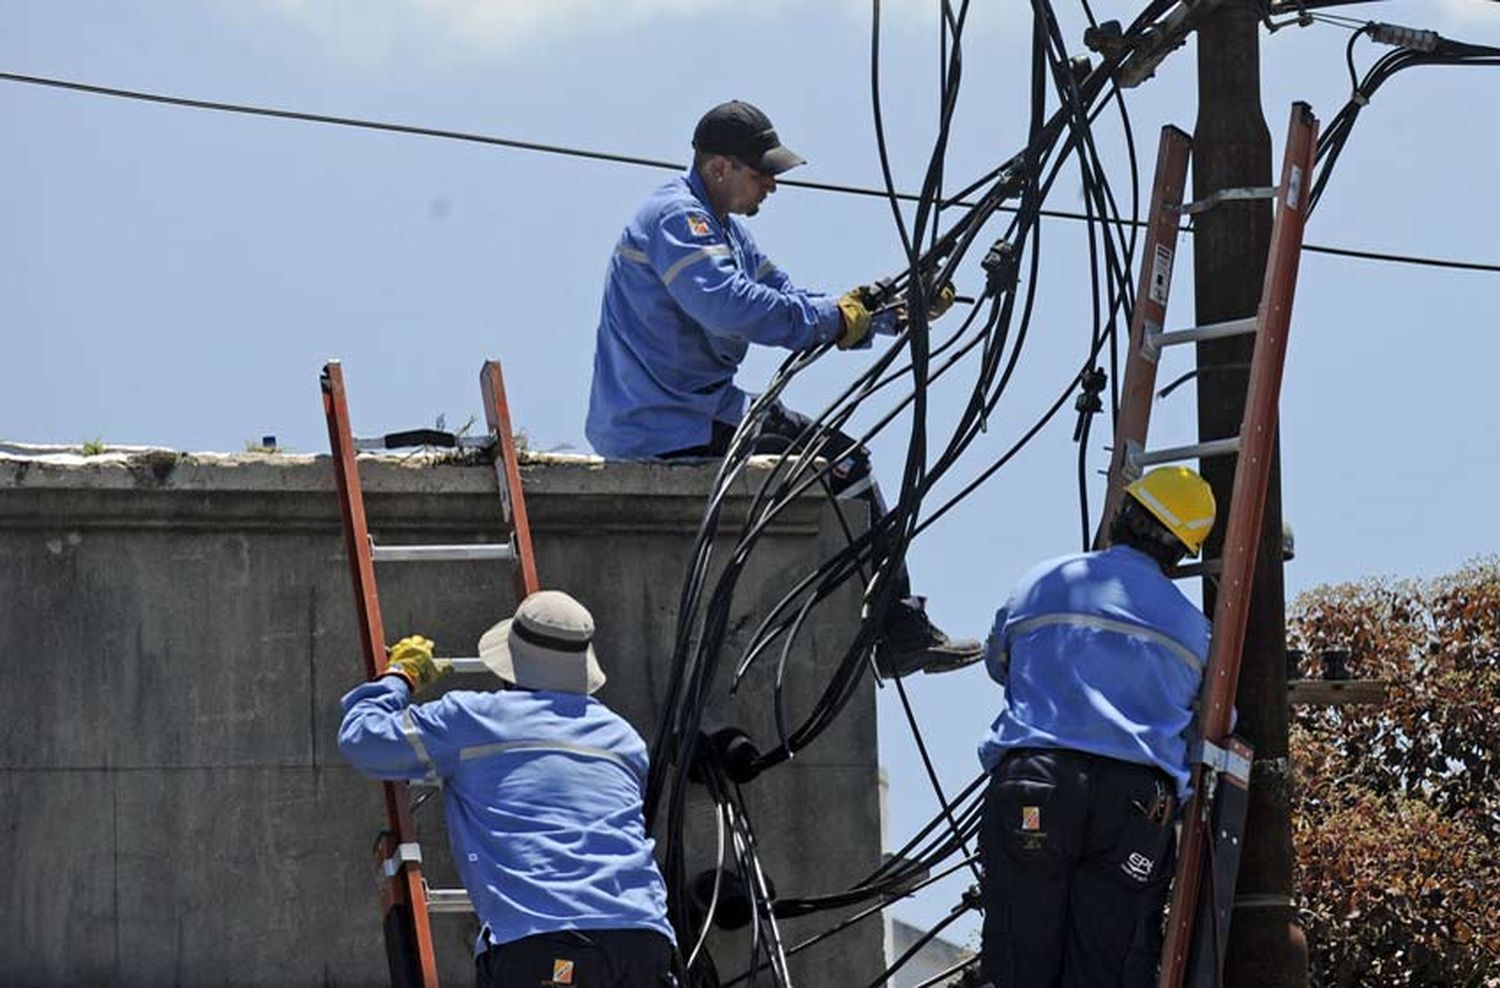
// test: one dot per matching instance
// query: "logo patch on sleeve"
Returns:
(697, 225)
(562, 972)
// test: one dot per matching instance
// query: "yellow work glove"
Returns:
(411, 659)
(856, 318)
(943, 302)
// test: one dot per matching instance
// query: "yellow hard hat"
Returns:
(1179, 499)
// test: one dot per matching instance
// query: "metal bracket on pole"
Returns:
(1230, 760)
(1230, 195)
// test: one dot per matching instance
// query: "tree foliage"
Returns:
(1397, 814)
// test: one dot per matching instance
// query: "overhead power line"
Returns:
(627, 159)
(1431, 262)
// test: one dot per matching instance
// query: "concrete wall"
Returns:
(177, 631)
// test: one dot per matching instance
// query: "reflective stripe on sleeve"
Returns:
(712, 250)
(564, 747)
(631, 254)
(1109, 624)
(414, 738)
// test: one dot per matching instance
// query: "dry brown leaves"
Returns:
(1397, 808)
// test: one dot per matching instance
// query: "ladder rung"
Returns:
(1211, 331)
(1230, 195)
(503, 551)
(466, 664)
(1138, 459)
(448, 901)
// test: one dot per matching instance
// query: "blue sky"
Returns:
(177, 277)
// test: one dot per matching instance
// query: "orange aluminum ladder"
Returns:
(407, 901)
(1221, 763)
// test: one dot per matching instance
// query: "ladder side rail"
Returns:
(1246, 516)
(1167, 191)
(508, 472)
(355, 525)
(407, 889)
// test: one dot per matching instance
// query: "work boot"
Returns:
(912, 643)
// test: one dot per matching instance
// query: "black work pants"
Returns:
(578, 959)
(1077, 852)
(780, 433)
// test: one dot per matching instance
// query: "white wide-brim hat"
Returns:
(548, 645)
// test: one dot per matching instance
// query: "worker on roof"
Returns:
(542, 790)
(1101, 658)
(687, 292)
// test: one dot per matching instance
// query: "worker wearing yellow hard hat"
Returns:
(1102, 658)
(1179, 499)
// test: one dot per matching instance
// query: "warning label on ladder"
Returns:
(1161, 274)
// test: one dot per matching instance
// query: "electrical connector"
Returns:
(1000, 266)
(1405, 37)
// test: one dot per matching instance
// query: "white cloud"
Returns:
(372, 30)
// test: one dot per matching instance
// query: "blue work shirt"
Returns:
(1099, 652)
(542, 792)
(688, 291)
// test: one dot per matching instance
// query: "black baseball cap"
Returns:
(742, 132)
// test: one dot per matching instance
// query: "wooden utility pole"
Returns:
(1232, 150)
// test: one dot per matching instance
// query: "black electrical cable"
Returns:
(1432, 262)
(864, 914)
(608, 156)
(932, 776)
(963, 907)
(925, 849)
(945, 976)
(877, 554)
(874, 555)
(1332, 141)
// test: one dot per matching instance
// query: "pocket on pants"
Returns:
(1143, 853)
(543, 960)
(1028, 821)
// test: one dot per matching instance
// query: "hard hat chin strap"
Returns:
(1138, 528)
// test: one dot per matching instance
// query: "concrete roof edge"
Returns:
(42, 466)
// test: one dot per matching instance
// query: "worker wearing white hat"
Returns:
(542, 788)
